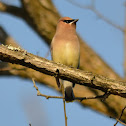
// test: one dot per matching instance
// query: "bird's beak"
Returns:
(75, 20)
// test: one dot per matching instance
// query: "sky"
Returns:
(19, 103)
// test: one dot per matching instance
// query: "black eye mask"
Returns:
(68, 21)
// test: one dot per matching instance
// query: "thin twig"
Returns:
(103, 97)
(46, 96)
(118, 120)
(47, 54)
(62, 87)
(65, 112)
(98, 14)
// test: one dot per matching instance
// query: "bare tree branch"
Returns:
(112, 106)
(118, 120)
(89, 61)
(21, 13)
(43, 95)
(18, 56)
(47, 97)
(16, 11)
(98, 14)
(102, 97)
(45, 26)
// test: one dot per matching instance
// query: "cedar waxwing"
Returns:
(65, 49)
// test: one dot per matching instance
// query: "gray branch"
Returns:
(19, 56)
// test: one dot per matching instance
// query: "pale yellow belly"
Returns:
(67, 55)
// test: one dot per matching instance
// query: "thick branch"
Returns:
(45, 26)
(19, 12)
(16, 11)
(111, 107)
(89, 61)
(18, 56)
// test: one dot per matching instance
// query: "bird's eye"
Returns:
(68, 21)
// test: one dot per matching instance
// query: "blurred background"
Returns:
(101, 24)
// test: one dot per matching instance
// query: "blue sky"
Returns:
(106, 40)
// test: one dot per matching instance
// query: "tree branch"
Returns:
(57, 97)
(19, 12)
(16, 11)
(43, 95)
(45, 26)
(89, 61)
(111, 107)
(102, 97)
(18, 56)
(118, 120)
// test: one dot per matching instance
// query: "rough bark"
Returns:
(42, 16)
(17, 55)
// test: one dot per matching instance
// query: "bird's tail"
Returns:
(68, 87)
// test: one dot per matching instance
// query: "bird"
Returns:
(65, 49)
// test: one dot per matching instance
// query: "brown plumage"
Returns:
(65, 49)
